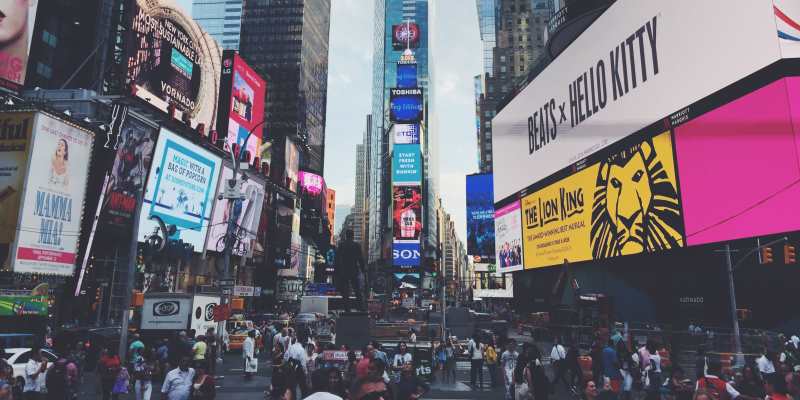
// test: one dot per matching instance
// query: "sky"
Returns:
(455, 49)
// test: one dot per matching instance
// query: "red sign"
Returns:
(243, 112)
(222, 312)
(405, 36)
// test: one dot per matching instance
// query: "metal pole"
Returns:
(737, 340)
(132, 253)
(444, 307)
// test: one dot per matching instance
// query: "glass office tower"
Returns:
(222, 19)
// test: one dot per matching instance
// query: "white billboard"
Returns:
(52, 203)
(203, 313)
(167, 312)
(637, 63)
(180, 189)
(508, 238)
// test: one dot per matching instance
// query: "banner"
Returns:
(241, 104)
(407, 215)
(134, 147)
(406, 164)
(180, 189)
(247, 214)
(632, 67)
(23, 306)
(508, 238)
(405, 105)
(626, 204)
(15, 139)
(52, 206)
(19, 18)
(172, 61)
(480, 216)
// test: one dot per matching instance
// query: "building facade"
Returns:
(330, 210)
(222, 19)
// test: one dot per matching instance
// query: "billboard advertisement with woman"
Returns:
(16, 33)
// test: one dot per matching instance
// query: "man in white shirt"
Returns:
(765, 365)
(178, 382)
(35, 375)
(296, 352)
(508, 362)
(558, 357)
(402, 357)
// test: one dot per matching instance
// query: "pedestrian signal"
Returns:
(766, 255)
(789, 255)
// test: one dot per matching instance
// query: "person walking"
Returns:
(410, 386)
(203, 387)
(475, 350)
(490, 357)
(249, 355)
(143, 372)
(450, 361)
(611, 366)
(211, 353)
(35, 374)
(56, 381)
(508, 363)
(178, 382)
(199, 351)
(558, 357)
(108, 368)
(349, 264)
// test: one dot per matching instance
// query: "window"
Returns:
(488, 135)
(487, 124)
(488, 157)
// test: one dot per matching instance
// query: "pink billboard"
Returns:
(739, 168)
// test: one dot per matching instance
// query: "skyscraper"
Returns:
(222, 19)
(287, 42)
(389, 14)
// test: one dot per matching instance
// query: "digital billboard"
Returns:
(292, 164)
(405, 105)
(628, 70)
(311, 183)
(405, 254)
(406, 133)
(15, 139)
(480, 216)
(405, 36)
(407, 212)
(406, 164)
(241, 104)
(508, 238)
(52, 203)
(247, 214)
(19, 18)
(134, 153)
(406, 75)
(173, 62)
(403, 280)
(180, 189)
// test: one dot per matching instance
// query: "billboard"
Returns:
(173, 62)
(403, 280)
(203, 313)
(480, 216)
(134, 153)
(15, 139)
(508, 238)
(19, 18)
(628, 70)
(406, 75)
(405, 105)
(406, 133)
(405, 254)
(23, 306)
(247, 214)
(166, 312)
(407, 213)
(180, 189)
(405, 36)
(406, 164)
(52, 203)
(311, 183)
(241, 104)
(292, 164)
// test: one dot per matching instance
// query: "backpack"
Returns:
(491, 355)
(715, 388)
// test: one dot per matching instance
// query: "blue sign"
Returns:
(405, 105)
(406, 164)
(405, 254)
(480, 216)
(406, 75)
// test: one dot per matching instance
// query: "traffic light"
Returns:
(766, 255)
(789, 255)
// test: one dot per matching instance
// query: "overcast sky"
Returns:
(455, 44)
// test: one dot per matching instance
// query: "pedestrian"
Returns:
(108, 368)
(573, 368)
(653, 373)
(203, 387)
(475, 351)
(776, 389)
(751, 384)
(143, 372)
(611, 366)
(211, 352)
(178, 382)
(199, 351)
(597, 363)
(121, 383)
(362, 367)
(350, 368)
(450, 363)
(401, 358)
(349, 264)
(765, 364)
(508, 362)
(35, 374)
(136, 347)
(6, 378)
(370, 389)
(412, 336)
(626, 369)
(311, 362)
(56, 381)
(410, 387)
(678, 387)
(558, 358)
(490, 357)
(249, 355)
(379, 353)
(590, 390)
(536, 376)
(715, 386)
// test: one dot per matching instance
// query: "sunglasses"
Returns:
(376, 396)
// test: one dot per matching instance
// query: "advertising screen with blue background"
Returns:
(406, 164)
(405, 105)
(407, 75)
(405, 254)
(480, 216)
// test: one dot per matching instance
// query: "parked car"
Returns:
(18, 357)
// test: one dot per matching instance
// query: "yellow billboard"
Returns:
(625, 204)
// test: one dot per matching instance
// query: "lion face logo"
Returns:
(636, 207)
